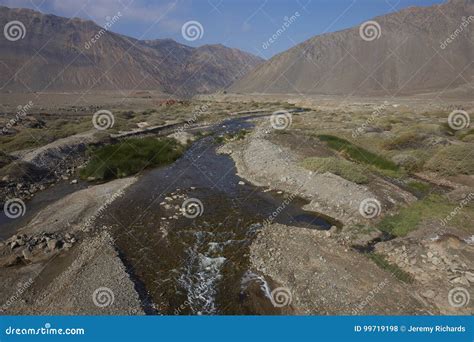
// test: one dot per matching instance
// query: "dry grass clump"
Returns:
(453, 160)
(350, 171)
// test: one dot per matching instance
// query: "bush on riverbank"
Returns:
(130, 156)
(350, 171)
(435, 208)
(358, 153)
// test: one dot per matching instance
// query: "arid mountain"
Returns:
(62, 54)
(420, 49)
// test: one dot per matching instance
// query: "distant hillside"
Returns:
(53, 56)
(410, 56)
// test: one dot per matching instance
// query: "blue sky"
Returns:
(244, 24)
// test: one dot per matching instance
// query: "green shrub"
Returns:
(231, 136)
(400, 274)
(358, 153)
(130, 156)
(433, 207)
(350, 171)
(419, 186)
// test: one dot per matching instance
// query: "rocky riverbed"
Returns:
(255, 250)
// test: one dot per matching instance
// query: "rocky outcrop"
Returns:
(22, 249)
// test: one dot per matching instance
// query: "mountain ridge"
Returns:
(53, 55)
(400, 61)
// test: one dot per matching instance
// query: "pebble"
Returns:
(52, 244)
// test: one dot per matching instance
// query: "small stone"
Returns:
(74, 181)
(241, 183)
(429, 254)
(10, 260)
(52, 244)
(26, 254)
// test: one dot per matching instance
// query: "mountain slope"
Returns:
(407, 57)
(53, 55)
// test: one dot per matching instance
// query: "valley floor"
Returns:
(406, 258)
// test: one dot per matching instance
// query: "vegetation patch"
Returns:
(358, 153)
(453, 160)
(404, 141)
(240, 135)
(419, 187)
(130, 156)
(397, 272)
(433, 207)
(350, 171)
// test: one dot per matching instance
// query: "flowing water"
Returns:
(199, 264)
